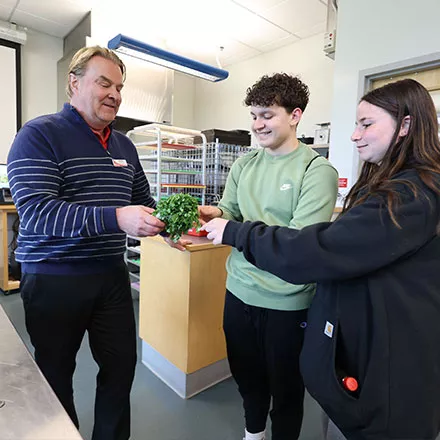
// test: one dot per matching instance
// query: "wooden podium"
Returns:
(181, 313)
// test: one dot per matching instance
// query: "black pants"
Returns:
(58, 310)
(263, 351)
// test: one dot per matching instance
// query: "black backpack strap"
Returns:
(310, 163)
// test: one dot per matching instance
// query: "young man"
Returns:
(285, 183)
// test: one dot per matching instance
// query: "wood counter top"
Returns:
(197, 243)
(8, 207)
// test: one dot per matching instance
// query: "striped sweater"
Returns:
(66, 188)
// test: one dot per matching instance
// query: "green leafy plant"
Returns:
(179, 213)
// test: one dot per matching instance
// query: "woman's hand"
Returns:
(215, 229)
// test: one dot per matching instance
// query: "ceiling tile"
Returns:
(40, 24)
(247, 27)
(239, 58)
(190, 21)
(279, 43)
(258, 5)
(5, 12)
(86, 5)
(318, 28)
(236, 50)
(196, 28)
(295, 16)
(258, 32)
(207, 54)
(8, 3)
(62, 12)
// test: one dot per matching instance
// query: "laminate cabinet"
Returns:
(181, 313)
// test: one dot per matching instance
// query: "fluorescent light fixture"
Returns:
(152, 54)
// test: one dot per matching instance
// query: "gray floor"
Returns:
(157, 412)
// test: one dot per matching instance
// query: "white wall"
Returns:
(39, 59)
(184, 100)
(8, 103)
(148, 88)
(369, 35)
(220, 105)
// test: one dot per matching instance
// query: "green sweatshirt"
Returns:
(276, 190)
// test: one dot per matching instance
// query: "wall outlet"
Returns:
(330, 41)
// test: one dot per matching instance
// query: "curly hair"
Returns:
(281, 89)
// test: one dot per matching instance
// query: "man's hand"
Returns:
(180, 244)
(138, 221)
(215, 229)
(207, 213)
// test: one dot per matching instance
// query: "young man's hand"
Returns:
(215, 229)
(207, 213)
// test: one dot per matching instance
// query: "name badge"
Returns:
(328, 330)
(119, 162)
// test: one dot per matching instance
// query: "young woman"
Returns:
(375, 318)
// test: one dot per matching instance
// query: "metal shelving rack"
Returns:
(132, 258)
(219, 159)
(172, 163)
(171, 160)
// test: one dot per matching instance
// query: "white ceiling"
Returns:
(194, 28)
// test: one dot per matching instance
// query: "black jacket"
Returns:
(378, 300)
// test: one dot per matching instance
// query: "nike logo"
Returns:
(285, 186)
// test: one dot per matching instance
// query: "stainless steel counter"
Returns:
(31, 410)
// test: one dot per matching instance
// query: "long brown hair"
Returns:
(418, 150)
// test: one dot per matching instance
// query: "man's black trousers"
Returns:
(59, 309)
(263, 351)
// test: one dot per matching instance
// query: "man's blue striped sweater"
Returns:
(66, 188)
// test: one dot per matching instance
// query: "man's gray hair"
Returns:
(78, 65)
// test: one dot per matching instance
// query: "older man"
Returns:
(79, 188)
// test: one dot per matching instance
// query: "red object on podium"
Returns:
(195, 233)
